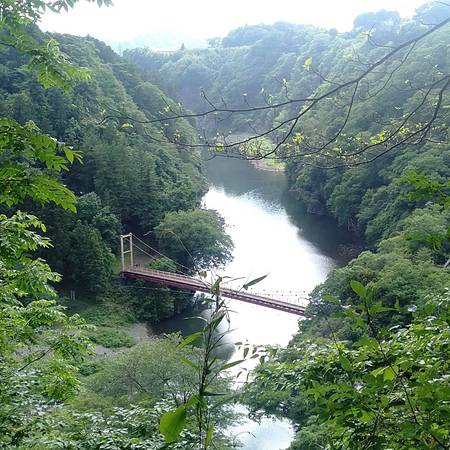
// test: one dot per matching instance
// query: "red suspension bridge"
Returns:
(135, 271)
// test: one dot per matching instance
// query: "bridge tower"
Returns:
(126, 241)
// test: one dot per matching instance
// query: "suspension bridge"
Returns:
(134, 270)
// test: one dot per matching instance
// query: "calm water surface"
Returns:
(273, 236)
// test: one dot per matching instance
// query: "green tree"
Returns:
(149, 371)
(90, 262)
(40, 347)
(196, 239)
(163, 263)
(135, 426)
(91, 211)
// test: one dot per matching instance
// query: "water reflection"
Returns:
(269, 190)
(238, 177)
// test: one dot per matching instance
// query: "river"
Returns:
(273, 236)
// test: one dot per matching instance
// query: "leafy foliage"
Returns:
(129, 378)
(370, 368)
(111, 338)
(387, 390)
(196, 239)
(40, 345)
(134, 427)
(22, 150)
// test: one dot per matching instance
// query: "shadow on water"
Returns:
(237, 177)
(322, 231)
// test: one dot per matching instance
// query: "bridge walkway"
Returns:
(198, 285)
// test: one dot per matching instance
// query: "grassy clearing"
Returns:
(108, 317)
(111, 338)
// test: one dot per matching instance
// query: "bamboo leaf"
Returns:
(231, 364)
(189, 339)
(172, 424)
(255, 281)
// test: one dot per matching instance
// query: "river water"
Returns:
(273, 236)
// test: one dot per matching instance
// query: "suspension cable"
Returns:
(162, 254)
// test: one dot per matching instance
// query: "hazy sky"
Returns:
(208, 18)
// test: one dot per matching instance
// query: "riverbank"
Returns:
(268, 165)
(137, 332)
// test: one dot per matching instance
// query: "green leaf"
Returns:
(330, 299)
(366, 416)
(231, 364)
(378, 308)
(369, 342)
(378, 372)
(69, 154)
(345, 363)
(209, 435)
(189, 339)
(253, 282)
(215, 288)
(358, 288)
(217, 320)
(214, 394)
(189, 363)
(390, 373)
(172, 424)
(192, 402)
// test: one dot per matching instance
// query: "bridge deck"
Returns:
(197, 285)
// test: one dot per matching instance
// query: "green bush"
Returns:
(90, 367)
(112, 338)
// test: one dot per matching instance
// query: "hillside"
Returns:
(256, 65)
(136, 180)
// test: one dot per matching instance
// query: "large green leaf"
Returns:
(255, 281)
(172, 424)
(358, 288)
(190, 339)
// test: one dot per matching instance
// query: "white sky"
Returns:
(208, 18)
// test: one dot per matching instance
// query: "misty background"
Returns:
(168, 25)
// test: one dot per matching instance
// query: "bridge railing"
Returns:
(162, 274)
(204, 286)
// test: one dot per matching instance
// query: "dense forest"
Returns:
(55, 89)
(123, 183)
(87, 153)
